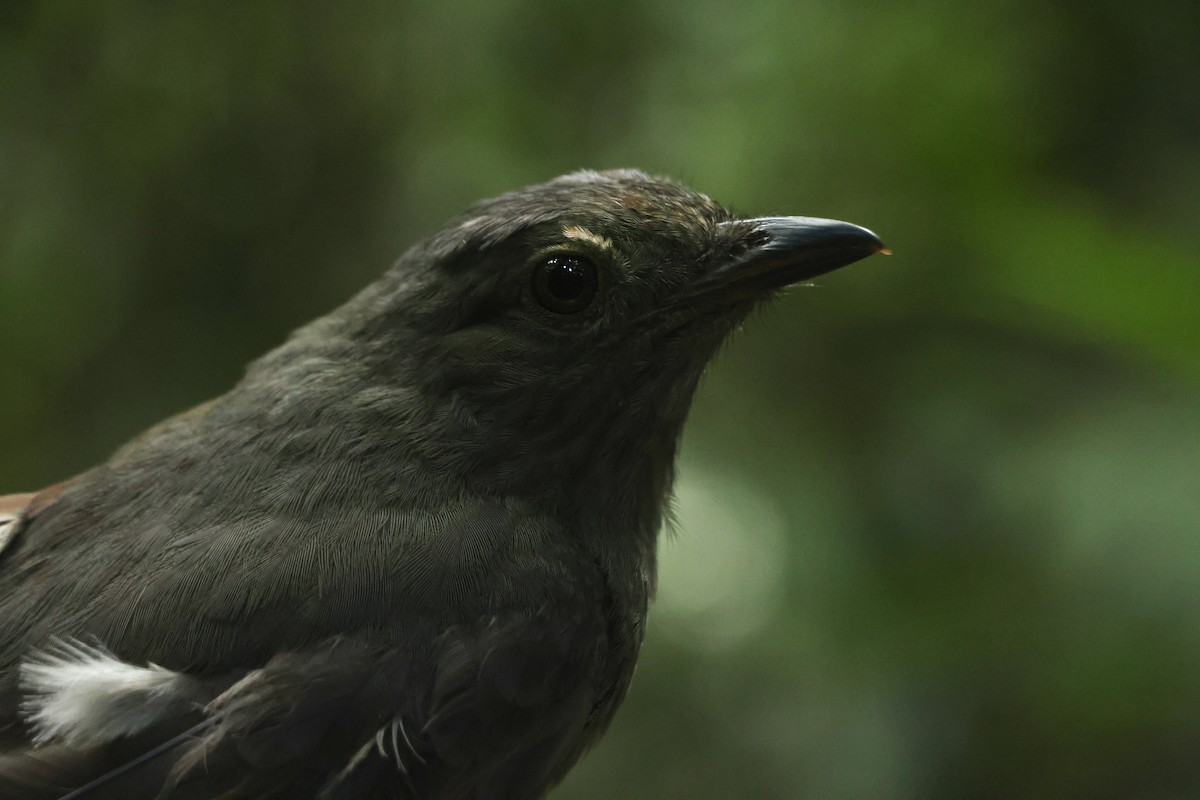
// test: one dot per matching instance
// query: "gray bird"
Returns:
(410, 554)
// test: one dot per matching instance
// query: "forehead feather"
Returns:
(597, 199)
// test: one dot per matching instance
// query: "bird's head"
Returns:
(554, 335)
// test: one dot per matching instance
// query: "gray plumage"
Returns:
(410, 554)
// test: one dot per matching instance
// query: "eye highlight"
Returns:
(564, 283)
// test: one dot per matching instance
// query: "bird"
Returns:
(411, 553)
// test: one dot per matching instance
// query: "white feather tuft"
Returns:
(8, 527)
(83, 695)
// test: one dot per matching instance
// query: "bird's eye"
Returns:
(564, 283)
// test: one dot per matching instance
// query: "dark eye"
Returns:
(564, 284)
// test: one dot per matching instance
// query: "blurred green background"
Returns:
(937, 517)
